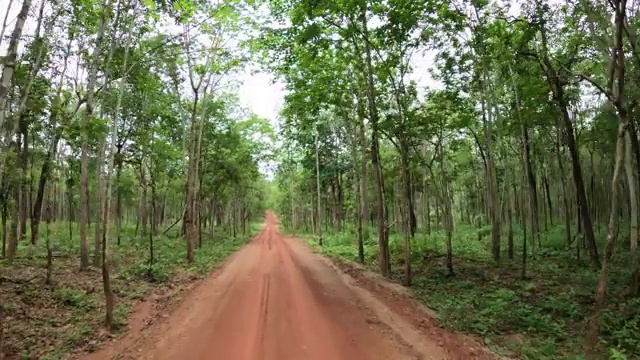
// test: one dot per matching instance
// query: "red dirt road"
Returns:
(276, 300)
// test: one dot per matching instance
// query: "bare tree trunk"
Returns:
(533, 193)
(592, 337)
(383, 230)
(557, 87)
(632, 182)
(10, 58)
(14, 230)
(617, 97)
(408, 227)
(357, 193)
(4, 28)
(364, 206)
(48, 216)
(84, 154)
(318, 197)
(98, 206)
(106, 260)
(447, 214)
(118, 195)
(511, 195)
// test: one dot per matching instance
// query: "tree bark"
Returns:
(632, 182)
(84, 152)
(383, 230)
(318, 197)
(408, 228)
(533, 193)
(12, 54)
(592, 337)
(557, 89)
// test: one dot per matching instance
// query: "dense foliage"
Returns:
(520, 168)
(124, 149)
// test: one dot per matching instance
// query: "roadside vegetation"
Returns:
(50, 321)
(482, 153)
(128, 166)
(543, 316)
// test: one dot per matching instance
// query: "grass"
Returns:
(51, 321)
(543, 316)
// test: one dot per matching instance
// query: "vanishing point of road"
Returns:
(277, 300)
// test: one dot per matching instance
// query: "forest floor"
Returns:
(277, 300)
(66, 317)
(541, 316)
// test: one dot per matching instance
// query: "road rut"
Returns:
(274, 300)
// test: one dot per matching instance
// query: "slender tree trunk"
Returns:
(360, 222)
(44, 175)
(118, 194)
(189, 217)
(4, 221)
(565, 191)
(447, 214)
(407, 211)
(84, 152)
(4, 28)
(98, 206)
(557, 88)
(364, 203)
(318, 197)
(533, 193)
(106, 219)
(632, 182)
(12, 53)
(547, 191)
(618, 99)
(48, 216)
(14, 230)
(383, 230)
(592, 337)
(492, 192)
(511, 195)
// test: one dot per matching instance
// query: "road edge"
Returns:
(143, 318)
(415, 324)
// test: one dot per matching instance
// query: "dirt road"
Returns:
(276, 300)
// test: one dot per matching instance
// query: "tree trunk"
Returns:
(632, 182)
(557, 88)
(364, 201)
(592, 337)
(12, 53)
(545, 181)
(118, 194)
(511, 195)
(84, 152)
(44, 175)
(106, 259)
(318, 197)
(533, 193)
(447, 214)
(618, 100)
(408, 225)
(15, 218)
(492, 185)
(360, 221)
(565, 192)
(383, 231)
(98, 206)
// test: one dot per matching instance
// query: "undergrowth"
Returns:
(543, 316)
(50, 321)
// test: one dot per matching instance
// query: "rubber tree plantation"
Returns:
(483, 154)
(502, 190)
